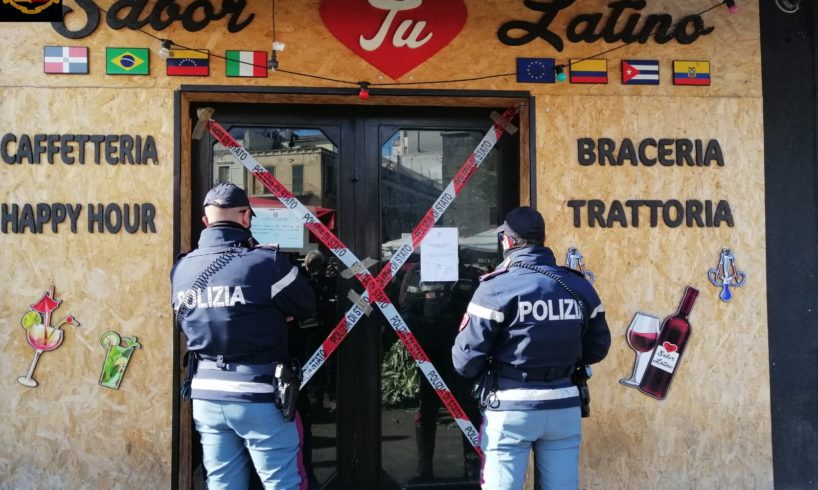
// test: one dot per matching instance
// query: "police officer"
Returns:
(525, 329)
(232, 299)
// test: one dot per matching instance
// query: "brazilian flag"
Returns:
(127, 61)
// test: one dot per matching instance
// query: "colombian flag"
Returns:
(691, 73)
(189, 62)
(589, 71)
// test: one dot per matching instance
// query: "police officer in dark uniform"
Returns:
(232, 300)
(432, 310)
(528, 325)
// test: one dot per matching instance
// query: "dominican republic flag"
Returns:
(65, 59)
(589, 71)
(691, 73)
(189, 62)
(251, 64)
(640, 72)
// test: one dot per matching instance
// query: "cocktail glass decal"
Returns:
(726, 275)
(641, 336)
(573, 260)
(119, 351)
(40, 334)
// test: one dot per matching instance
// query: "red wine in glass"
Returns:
(641, 336)
(642, 341)
(670, 346)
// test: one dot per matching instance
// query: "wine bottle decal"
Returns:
(673, 337)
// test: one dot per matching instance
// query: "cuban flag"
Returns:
(640, 72)
(65, 59)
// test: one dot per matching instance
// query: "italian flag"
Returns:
(246, 64)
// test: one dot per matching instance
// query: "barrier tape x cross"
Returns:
(374, 287)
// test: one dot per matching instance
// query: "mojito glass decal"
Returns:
(119, 351)
(40, 334)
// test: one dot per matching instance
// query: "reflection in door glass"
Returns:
(306, 162)
(422, 444)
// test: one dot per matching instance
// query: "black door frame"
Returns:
(360, 453)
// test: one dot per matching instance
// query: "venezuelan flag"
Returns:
(189, 62)
(691, 73)
(589, 71)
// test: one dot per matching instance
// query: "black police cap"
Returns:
(524, 222)
(227, 195)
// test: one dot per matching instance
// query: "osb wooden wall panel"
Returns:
(713, 431)
(70, 432)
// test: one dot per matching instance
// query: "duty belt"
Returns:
(545, 374)
(239, 367)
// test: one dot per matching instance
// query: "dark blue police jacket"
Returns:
(530, 329)
(232, 301)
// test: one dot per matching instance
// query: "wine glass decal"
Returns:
(119, 351)
(573, 260)
(726, 275)
(641, 336)
(40, 334)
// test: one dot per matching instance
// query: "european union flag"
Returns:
(535, 70)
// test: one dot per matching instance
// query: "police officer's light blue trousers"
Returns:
(508, 437)
(226, 428)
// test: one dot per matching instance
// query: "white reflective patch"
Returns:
(231, 386)
(284, 282)
(524, 394)
(485, 313)
(598, 309)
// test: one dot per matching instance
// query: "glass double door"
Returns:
(370, 418)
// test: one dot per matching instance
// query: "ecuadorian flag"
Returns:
(190, 62)
(589, 71)
(691, 73)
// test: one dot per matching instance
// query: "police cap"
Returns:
(524, 222)
(227, 195)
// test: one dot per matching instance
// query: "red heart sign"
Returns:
(394, 36)
(670, 347)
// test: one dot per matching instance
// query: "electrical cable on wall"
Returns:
(364, 86)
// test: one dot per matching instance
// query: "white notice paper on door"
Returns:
(438, 256)
(279, 226)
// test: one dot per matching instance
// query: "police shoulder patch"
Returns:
(492, 275)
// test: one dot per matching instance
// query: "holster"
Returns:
(485, 389)
(288, 381)
(580, 378)
(189, 362)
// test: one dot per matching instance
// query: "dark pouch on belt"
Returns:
(288, 381)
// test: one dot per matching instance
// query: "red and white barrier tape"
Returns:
(410, 244)
(374, 287)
